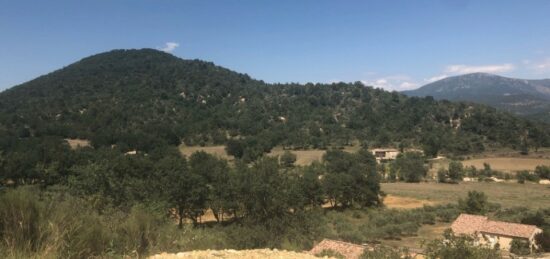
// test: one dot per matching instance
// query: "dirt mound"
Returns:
(236, 254)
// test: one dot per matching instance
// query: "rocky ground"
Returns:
(236, 254)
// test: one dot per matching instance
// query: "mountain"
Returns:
(519, 96)
(147, 100)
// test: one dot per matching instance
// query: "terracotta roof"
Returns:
(470, 224)
(510, 229)
(348, 250)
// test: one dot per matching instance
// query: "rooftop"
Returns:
(470, 224)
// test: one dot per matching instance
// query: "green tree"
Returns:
(288, 159)
(475, 203)
(410, 167)
(456, 171)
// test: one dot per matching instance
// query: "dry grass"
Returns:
(303, 157)
(399, 202)
(507, 194)
(218, 151)
(78, 143)
(508, 164)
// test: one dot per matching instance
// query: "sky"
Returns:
(395, 45)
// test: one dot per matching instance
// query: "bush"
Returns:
(330, 253)
(385, 252)
(520, 247)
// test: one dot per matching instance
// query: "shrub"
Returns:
(330, 253)
(520, 247)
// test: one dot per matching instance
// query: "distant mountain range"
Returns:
(530, 98)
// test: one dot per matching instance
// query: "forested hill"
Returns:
(146, 99)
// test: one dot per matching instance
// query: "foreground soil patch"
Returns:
(236, 254)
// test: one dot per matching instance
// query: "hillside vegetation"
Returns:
(90, 166)
(147, 100)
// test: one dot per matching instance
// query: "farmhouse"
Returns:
(382, 154)
(493, 233)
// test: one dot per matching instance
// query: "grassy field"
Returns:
(218, 151)
(303, 157)
(507, 194)
(508, 164)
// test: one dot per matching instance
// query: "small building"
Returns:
(383, 154)
(493, 233)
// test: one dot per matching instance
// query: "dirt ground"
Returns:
(78, 143)
(236, 254)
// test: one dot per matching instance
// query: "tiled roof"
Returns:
(471, 224)
(348, 250)
(509, 229)
(468, 224)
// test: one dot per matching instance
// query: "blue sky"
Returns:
(391, 44)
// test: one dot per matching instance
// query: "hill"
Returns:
(519, 96)
(147, 100)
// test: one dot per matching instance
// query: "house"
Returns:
(493, 233)
(383, 154)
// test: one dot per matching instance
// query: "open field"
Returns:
(508, 164)
(218, 151)
(303, 157)
(400, 202)
(78, 143)
(528, 195)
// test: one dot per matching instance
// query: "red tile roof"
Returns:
(471, 224)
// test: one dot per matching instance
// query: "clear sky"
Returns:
(391, 44)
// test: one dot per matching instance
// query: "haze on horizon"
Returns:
(396, 45)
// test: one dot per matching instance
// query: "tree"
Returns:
(543, 171)
(215, 172)
(234, 148)
(351, 178)
(456, 171)
(288, 159)
(475, 203)
(186, 190)
(410, 167)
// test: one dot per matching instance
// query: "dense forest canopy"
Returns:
(147, 100)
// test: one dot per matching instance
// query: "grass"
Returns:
(303, 157)
(507, 164)
(218, 151)
(425, 232)
(528, 195)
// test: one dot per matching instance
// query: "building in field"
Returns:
(383, 154)
(494, 233)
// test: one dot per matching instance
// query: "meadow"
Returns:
(530, 195)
